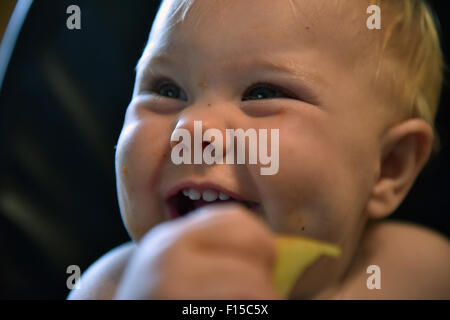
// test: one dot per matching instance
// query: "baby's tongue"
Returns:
(200, 203)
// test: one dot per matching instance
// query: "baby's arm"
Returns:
(101, 280)
(414, 263)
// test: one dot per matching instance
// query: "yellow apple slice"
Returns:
(294, 255)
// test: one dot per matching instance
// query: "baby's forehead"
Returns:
(262, 15)
(240, 26)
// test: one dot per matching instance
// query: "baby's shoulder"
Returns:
(101, 279)
(407, 240)
(405, 228)
(413, 262)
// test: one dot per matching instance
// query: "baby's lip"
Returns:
(187, 196)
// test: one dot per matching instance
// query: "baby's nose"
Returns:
(204, 125)
(204, 144)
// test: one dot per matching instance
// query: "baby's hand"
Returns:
(218, 252)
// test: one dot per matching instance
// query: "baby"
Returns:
(354, 108)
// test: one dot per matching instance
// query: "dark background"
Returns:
(62, 104)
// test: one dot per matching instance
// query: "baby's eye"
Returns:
(264, 91)
(170, 90)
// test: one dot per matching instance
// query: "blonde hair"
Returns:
(411, 40)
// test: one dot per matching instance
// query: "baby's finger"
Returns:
(233, 229)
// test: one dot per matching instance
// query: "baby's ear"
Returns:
(406, 148)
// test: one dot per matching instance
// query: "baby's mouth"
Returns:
(190, 199)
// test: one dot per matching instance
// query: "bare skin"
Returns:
(413, 262)
(346, 161)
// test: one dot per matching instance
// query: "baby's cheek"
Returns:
(137, 157)
(141, 148)
(127, 153)
(304, 191)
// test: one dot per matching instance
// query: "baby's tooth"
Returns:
(223, 196)
(209, 195)
(186, 192)
(194, 194)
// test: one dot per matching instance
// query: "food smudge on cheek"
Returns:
(300, 223)
(125, 171)
(295, 222)
(202, 84)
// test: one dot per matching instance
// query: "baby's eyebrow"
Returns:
(163, 59)
(289, 67)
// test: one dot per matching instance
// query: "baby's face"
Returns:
(296, 66)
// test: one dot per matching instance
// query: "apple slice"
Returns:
(294, 255)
